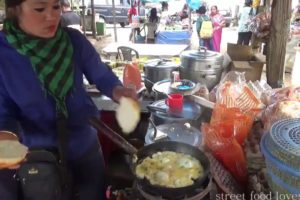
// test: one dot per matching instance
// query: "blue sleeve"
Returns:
(96, 72)
(8, 111)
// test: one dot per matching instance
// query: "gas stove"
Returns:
(136, 192)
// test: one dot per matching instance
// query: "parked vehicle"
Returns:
(105, 11)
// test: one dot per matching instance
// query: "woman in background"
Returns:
(152, 25)
(244, 34)
(218, 23)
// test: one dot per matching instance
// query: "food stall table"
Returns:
(149, 50)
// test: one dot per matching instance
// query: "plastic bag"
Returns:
(278, 111)
(281, 94)
(239, 123)
(132, 76)
(226, 149)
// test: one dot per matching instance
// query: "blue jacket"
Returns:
(25, 106)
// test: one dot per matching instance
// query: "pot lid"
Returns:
(190, 110)
(165, 87)
(160, 63)
(201, 54)
(176, 132)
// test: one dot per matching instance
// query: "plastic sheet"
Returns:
(173, 37)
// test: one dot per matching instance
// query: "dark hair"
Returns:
(164, 5)
(201, 10)
(214, 6)
(65, 3)
(153, 15)
(248, 2)
(13, 3)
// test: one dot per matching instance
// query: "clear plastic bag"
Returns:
(281, 94)
(278, 111)
(234, 92)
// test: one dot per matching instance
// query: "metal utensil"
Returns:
(157, 134)
(165, 111)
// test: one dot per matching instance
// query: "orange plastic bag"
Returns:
(219, 139)
(240, 122)
(132, 76)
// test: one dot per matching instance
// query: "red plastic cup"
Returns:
(175, 101)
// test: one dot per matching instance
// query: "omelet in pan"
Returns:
(170, 169)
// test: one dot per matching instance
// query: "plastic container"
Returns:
(281, 172)
(100, 28)
(175, 101)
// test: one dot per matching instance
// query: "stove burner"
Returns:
(199, 194)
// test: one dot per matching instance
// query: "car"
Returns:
(105, 12)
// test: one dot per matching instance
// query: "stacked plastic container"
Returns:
(281, 148)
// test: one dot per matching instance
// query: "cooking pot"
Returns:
(190, 113)
(158, 69)
(201, 66)
(147, 151)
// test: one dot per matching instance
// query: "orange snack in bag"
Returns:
(132, 76)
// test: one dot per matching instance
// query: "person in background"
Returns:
(185, 12)
(152, 25)
(295, 19)
(244, 34)
(203, 17)
(134, 22)
(41, 72)
(68, 17)
(218, 23)
(165, 15)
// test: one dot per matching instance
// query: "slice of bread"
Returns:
(12, 152)
(128, 114)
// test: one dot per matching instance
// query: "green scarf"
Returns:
(51, 60)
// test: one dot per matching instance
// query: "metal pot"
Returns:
(201, 66)
(158, 69)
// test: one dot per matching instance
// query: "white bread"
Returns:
(128, 114)
(12, 152)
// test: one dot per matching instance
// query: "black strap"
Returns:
(61, 125)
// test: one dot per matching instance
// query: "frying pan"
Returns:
(139, 155)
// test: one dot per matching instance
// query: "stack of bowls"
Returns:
(281, 148)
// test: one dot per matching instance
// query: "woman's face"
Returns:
(213, 10)
(39, 17)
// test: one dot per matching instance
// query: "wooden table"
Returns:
(151, 50)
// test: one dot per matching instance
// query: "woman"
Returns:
(41, 70)
(206, 42)
(244, 34)
(218, 23)
(152, 25)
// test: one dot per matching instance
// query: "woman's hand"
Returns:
(121, 91)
